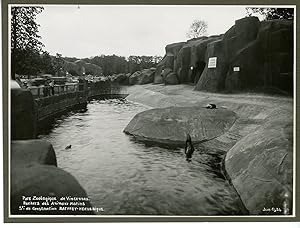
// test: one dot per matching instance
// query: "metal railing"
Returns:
(46, 91)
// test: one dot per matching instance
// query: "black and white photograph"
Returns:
(153, 111)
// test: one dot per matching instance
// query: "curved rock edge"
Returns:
(256, 112)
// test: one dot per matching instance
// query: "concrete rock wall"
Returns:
(263, 51)
(259, 144)
(260, 166)
(81, 66)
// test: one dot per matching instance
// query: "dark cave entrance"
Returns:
(197, 71)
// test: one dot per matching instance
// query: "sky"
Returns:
(84, 31)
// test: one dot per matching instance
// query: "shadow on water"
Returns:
(46, 126)
(154, 144)
(209, 159)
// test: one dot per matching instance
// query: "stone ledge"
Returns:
(171, 125)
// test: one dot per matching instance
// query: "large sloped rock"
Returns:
(142, 77)
(170, 125)
(47, 181)
(30, 152)
(246, 30)
(213, 79)
(169, 61)
(261, 166)
(250, 72)
(34, 172)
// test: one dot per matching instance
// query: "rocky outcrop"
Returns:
(251, 55)
(80, 67)
(260, 166)
(171, 79)
(31, 152)
(142, 77)
(170, 125)
(213, 80)
(34, 173)
(259, 144)
(122, 78)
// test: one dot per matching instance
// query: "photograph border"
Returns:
(125, 218)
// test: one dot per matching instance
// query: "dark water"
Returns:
(128, 177)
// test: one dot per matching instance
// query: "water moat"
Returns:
(128, 177)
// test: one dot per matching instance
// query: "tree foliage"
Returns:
(26, 47)
(198, 28)
(58, 63)
(28, 57)
(271, 13)
(113, 64)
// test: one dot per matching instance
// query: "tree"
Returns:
(58, 64)
(198, 28)
(271, 13)
(46, 64)
(24, 38)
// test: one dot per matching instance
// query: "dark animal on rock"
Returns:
(189, 148)
(211, 106)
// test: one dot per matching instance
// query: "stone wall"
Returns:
(103, 88)
(50, 106)
(23, 115)
(263, 51)
(33, 167)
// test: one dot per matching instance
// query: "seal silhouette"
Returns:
(211, 106)
(68, 147)
(189, 148)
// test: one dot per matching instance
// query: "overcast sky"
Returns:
(85, 31)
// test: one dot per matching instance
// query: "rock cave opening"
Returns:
(197, 71)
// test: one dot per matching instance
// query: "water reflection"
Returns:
(126, 176)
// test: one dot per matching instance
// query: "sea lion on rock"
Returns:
(211, 106)
(189, 148)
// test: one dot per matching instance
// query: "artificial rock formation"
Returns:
(34, 172)
(170, 125)
(259, 144)
(142, 77)
(250, 55)
(122, 78)
(80, 67)
(260, 166)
